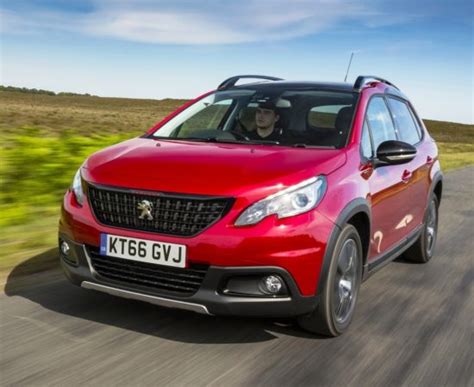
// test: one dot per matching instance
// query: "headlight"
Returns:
(76, 187)
(291, 201)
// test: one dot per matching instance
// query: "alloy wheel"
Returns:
(345, 281)
(431, 228)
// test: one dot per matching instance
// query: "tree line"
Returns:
(42, 91)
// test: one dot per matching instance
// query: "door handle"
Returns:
(429, 160)
(406, 176)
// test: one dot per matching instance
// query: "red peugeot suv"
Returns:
(271, 198)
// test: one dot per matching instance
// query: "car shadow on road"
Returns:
(40, 280)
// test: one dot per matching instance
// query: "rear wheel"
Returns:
(422, 250)
(336, 307)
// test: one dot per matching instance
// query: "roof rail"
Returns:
(233, 80)
(362, 80)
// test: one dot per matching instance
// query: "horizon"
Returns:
(145, 49)
(57, 92)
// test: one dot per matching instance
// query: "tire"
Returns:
(335, 310)
(422, 250)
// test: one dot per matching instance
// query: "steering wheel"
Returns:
(239, 135)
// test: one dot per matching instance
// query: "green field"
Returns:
(46, 137)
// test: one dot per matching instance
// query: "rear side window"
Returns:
(324, 116)
(407, 129)
(380, 122)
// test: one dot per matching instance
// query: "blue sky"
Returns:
(181, 48)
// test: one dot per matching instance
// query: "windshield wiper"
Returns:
(262, 142)
(250, 142)
(201, 139)
(302, 145)
(213, 139)
(219, 139)
(299, 145)
(229, 140)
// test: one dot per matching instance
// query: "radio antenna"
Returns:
(349, 66)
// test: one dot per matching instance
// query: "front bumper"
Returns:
(296, 244)
(79, 269)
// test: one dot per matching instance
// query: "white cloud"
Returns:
(162, 27)
(192, 22)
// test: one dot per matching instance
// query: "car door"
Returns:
(386, 183)
(416, 172)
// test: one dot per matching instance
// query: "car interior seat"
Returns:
(332, 136)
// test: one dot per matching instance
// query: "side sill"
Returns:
(395, 251)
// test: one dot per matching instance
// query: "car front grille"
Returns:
(157, 278)
(180, 215)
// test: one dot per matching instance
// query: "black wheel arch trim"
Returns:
(352, 208)
(437, 178)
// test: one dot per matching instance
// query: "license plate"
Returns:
(143, 250)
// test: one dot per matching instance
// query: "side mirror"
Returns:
(394, 152)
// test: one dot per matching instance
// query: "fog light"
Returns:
(65, 248)
(272, 284)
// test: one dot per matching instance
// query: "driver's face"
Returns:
(265, 118)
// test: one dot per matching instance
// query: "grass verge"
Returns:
(455, 155)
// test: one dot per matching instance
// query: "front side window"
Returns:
(268, 116)
(407, 129)
(380, 122)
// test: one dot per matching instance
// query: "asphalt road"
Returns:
(413, 326)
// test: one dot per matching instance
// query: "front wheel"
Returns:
(337, 301)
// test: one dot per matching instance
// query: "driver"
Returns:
(266, 117)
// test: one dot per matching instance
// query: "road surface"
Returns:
(413, 326)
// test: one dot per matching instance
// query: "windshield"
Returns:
(288, 118)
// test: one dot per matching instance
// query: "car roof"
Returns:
(296, 85)
(278, 84)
